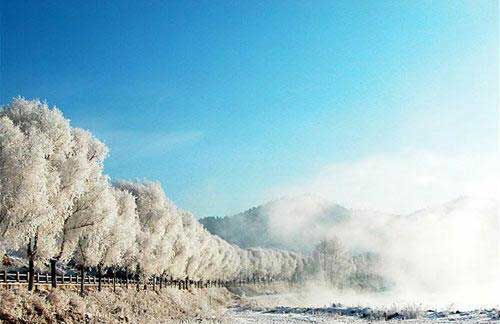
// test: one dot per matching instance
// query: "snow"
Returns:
(355, 315)
(279, 304)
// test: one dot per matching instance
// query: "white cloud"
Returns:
(402, 182)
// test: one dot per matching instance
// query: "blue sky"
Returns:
(222, 100)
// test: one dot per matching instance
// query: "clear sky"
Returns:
(223, 100)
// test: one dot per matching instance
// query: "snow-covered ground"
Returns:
(341, 314)
(344, 314)
(310, 306)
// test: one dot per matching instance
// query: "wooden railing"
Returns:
(156, 282)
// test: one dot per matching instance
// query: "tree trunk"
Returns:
(138, 277)
(82, 274)
(53, 272)
(31, 266)
(99, 277)
(114, 280)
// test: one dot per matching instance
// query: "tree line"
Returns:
(58, 206)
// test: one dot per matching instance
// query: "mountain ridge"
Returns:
(299, 222)
(275, 223)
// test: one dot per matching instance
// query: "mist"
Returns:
(445, 252)
(400, 182)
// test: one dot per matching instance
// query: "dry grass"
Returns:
(59, 305)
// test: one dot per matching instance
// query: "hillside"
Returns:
(294, 223)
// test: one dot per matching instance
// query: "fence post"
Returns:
(53, 272)
(17, 276)
(31, 267)
(114, 280)
(99, 277)
(5, 276)
(82, 274)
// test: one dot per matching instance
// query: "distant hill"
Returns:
(298, 223)
(294, 223)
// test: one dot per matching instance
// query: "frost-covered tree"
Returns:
(153, 210)
(333, 261)
(23, 184)
(52, 166)
(121, 241)
(83, 175)
(33, 139)
(88, 229)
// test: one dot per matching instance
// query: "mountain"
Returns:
(295, 223)
(298, 223)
